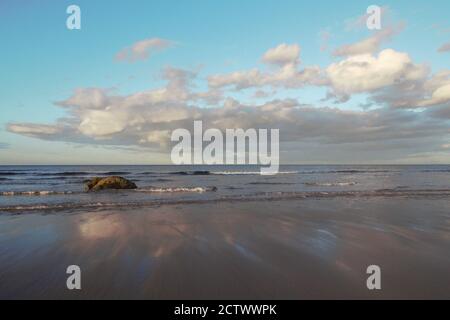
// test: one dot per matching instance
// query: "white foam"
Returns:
(176, 189)
(331, 184)
(33, 193)
(248, 172)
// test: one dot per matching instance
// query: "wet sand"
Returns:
(299, 249)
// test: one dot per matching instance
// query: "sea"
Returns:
(61, 188)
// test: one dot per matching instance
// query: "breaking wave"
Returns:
(346, 171)
(330, 184)
(264, 196)
(34, 193)
(177, 189)
(271, 183)
(223, 173)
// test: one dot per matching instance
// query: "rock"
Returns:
(114, 182)
(89, 184)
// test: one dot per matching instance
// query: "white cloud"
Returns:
(366, 73)
(369, 45)
(88, 98)
(428, 91)
(142, 50)
(101, 123)
(145, 119)
(439, 96)
(147, 122)
(37, 130)
(286, 74)
(282, 55)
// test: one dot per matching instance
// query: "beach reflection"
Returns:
(270, 250)
(95, 228)
(153, 234)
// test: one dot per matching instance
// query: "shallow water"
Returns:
(31, 188)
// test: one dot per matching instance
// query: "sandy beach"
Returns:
(302, 249)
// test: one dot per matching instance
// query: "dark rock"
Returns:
(89, 184)
(114, 182)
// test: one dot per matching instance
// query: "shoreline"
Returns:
(267, 197)
(299, 249)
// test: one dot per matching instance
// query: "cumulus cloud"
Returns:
(97, 116)
(288, 76)
(439, 96)
(445, 47)
(87, 98)
(428, 91)
(36, 130)
(282, 55)
(146, 119)
(366, 73)
(390, 79)
(287, 73)
(369, 45)
(143, 49)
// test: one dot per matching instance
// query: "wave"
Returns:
(115, 173)
(148, 172)
(63, 206)
(11, 173)
(47, 178)
(67, 173)
(195, 173)
(346, 171)
(177, 189)
(237, 173)
(268, 196)
(330, 184)
(34, 193)
(83, 173)
(271, 183)
(149, 190)
(359, 171)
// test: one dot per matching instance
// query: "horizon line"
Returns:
(230, 165)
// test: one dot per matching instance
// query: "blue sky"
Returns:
(43, 62)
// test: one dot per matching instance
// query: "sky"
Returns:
(113, 91)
